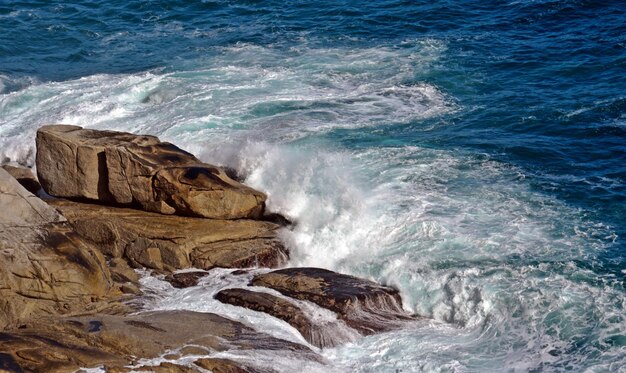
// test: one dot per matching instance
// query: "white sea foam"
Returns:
(292, 93)
(495, 266)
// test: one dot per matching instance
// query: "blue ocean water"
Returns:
(470, 153)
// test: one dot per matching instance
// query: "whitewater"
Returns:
(502, 270)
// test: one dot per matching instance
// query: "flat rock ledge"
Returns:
(70, 295)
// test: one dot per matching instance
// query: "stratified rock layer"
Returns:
(44, 266)
(127, 169)
(166, 242)
(364, 305)
(65, 344)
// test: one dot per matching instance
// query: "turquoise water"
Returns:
(470, 153)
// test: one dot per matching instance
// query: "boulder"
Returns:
(45, 267)
(227, 366)
(327, 334)
(25, 177)
(64, 344)
(185, 279)
(364, 305)
(133, 170)
(168, 243)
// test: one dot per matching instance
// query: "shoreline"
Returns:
(116, 203)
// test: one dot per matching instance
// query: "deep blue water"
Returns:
(536, 88)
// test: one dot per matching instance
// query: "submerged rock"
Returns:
(364, 305)
(166, 242)
(45, 267)
(127, 169)
(320, 335)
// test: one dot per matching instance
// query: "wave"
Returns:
(494, 266)
(295, 92)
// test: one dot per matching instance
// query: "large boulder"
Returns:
(45, 267)
(68, 343)
(364, 305)
(166, 242)
(127, 169)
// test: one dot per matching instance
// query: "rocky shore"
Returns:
(106, 205)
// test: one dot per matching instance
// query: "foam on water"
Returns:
(465, 239)
(503, 273)
(160, 295)
(294, 93)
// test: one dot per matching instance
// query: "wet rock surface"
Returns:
(364, 305)
(272, 305)
(110, 340)
(228, 366)
(185, 279)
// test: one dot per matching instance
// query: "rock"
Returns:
(31, 351)
(320, 335)
(226, 366)
(185, 279)
(121, 272)
(25, 177)
(133, 170)
(64, 344)
(129, 288)
(166, 367)
(279, 219)
(194, 350)
(45, 267)
(22, 208)
(169, 243)
(364, 305)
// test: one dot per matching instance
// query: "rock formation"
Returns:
(70, 299)
(114, 341)
(167, 242)
(45, 267)
(132, 170)
(364, 305)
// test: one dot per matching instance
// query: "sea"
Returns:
(471, 154)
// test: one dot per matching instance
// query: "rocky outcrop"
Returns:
(364, 305)
(185, 279)
(45, 267)
(228, 366)
(69, 294)
(25, 177)
(115, 341)
(318, 334)
(166, 242)
(133, 170)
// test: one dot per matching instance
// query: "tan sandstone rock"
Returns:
(167, 242)
(64, 344)
(227, 366)
(25, 177)
(364, 305)
(44, 266)
(127, 169)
